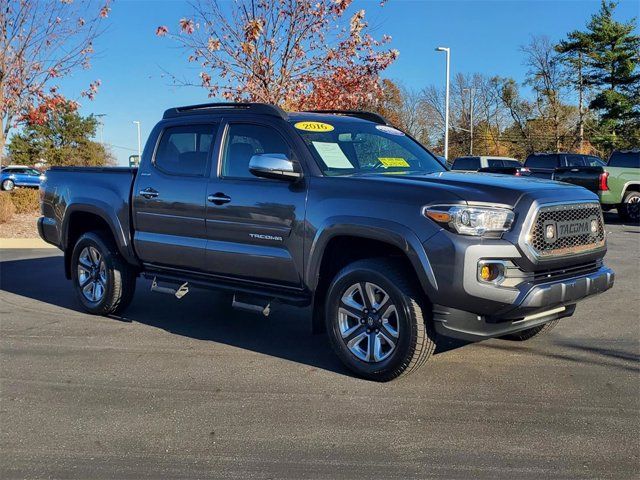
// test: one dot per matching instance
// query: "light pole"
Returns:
(101, 116)
(446, 104)
(470, 90)
(137, 122)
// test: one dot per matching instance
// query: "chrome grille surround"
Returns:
(546, 214)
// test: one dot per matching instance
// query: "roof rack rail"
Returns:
(370, 116)
(205, 108)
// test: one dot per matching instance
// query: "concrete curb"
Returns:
(14, 243)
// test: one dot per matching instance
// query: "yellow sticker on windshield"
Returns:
(314, 126)
(393, 162)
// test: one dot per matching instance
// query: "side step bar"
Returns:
(179, 292)
(239, 303)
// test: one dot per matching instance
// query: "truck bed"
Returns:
(88, 189)
(587, 177)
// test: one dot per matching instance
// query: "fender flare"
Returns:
(106, 213)
(374, 229)
(626, 186)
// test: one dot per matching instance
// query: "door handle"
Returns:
(218, 198)
(149, 193)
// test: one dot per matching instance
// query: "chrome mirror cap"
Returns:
(275, 166)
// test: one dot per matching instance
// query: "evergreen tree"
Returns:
(611, 55)
(61, 137)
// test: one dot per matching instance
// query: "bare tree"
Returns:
(40, 42)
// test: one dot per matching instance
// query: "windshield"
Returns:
(345, 148)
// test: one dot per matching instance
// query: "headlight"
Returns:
(468, 220)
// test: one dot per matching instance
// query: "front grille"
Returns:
(566, 272)
(567, 229)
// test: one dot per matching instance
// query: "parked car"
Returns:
(19, 176)
(338, 211)
(621, 185)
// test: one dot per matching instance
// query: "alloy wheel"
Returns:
(368, 322)
(92, 274)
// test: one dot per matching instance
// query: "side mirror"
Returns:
(275, 166)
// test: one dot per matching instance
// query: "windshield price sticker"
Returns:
(389, 130)
(393, 162)
(314, 126)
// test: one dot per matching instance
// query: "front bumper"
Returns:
(535, 305)
(467, 308)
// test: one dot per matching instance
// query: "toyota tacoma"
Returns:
(337, 210)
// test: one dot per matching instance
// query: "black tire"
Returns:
(629, 209)
(119, 278)
(8, 185)
(414, 342)
(529, 333)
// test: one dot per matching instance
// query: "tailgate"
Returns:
(587, 177)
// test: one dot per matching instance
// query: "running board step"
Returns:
(242, 303)
(179, 292)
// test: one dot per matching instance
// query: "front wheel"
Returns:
(103, 281)
(629, 209)
(377, 320)
(8, 185)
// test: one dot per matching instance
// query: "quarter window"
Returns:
(185, 150)
(243, 141)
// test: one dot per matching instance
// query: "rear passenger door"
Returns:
(169, 197)
(254, 225)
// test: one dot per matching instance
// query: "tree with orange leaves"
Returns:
(292, 53)
(40, 42)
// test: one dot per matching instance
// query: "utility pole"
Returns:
(447, 50)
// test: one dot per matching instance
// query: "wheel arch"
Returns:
(345, 240)
(83, 218)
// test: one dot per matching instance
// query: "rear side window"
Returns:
(243, 141)
(493, 162)
(625, 159)
(466, 163)
(541, 161)
(184, 150)
(593, 161)
(574, 161)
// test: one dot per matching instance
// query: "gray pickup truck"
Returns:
(336, 210)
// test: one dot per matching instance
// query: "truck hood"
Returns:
(473, 187)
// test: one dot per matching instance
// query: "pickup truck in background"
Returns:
(622, 184)
(584, 170)
(334, 210)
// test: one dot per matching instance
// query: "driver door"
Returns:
(254, 225)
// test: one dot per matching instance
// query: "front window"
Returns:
(354, 147)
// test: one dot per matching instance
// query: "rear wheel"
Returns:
(529, 333)
(376, 320)
(629, 209)
(8, 185)
(104, 282)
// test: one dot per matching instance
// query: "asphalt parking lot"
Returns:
(191, 388)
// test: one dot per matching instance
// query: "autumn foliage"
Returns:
(42, 41)
(292, 53)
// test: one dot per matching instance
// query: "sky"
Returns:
(484, 37)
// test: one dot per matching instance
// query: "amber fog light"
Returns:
(491, 272)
